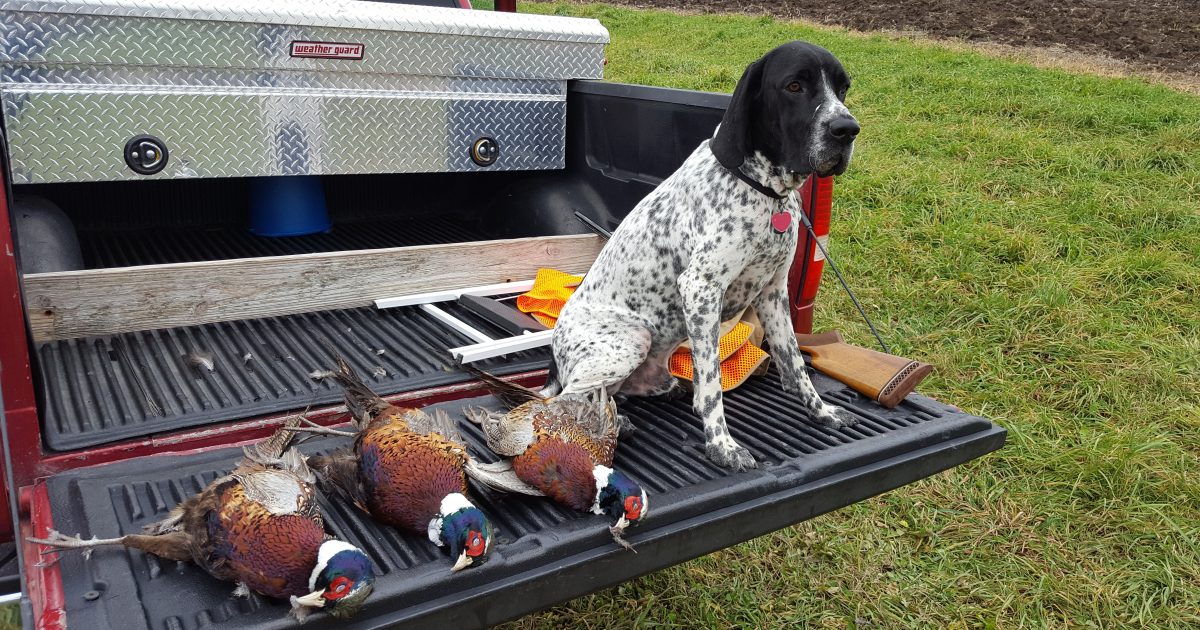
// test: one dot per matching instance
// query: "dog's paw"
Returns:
(678, 390)
(670, 389)
(625, 426)
(730, 455)
(836, 417)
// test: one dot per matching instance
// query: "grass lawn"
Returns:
(1035, 235)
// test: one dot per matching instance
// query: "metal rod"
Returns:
(11, 484)
(485, 290)
(592, 225)
(456, 323)
(495, 348)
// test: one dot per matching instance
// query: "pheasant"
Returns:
(259, 526)
(563, 448)
(406, 469)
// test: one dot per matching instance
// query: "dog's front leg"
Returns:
(702, 293)
(772, 308)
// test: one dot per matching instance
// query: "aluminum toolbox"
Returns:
(274, 87)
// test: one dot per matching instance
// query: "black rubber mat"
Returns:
(545, 554)
(105, 389)
(10, 582)
(165, 245)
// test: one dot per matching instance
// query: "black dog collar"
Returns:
(781, 220)
(737, 170)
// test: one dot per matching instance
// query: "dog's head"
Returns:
(790, 106)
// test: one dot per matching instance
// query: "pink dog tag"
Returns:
(781, 221)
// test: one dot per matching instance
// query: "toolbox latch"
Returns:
(146, 154)
(484, 151)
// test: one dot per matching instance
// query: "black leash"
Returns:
(808, 224)
(849, 291)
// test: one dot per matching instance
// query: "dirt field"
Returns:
(1154, 35)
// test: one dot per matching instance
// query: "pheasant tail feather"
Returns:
(510, 394)
(363, 403)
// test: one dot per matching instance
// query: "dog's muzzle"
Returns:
(837, 147)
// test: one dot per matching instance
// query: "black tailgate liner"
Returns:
(105, 389)
(546, 554)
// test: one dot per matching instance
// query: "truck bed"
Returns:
(105, 389)
(623, 140)
(695, 508)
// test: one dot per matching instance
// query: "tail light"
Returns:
(816, 202)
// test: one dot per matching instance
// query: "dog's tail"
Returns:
(553, 385)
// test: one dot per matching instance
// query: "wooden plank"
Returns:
(63, 305)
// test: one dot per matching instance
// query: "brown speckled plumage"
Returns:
(561, 419)
(272, 554)
(561, 470)
(586, 421)
(563, 447)
(403, 462)
(260, 525)
(555, 442)
(408, 474)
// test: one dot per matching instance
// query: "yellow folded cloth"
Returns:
(550, 291)
(739, 357)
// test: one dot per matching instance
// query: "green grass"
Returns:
(1035, 235)
(10, 617)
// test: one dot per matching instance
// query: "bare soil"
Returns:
(1161, 36)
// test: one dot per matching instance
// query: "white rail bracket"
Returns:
(498, 347)
(487, 347)
(486, 290)
(455, 323)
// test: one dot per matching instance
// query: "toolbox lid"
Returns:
(98, 90)
(350, 14)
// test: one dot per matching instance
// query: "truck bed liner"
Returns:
(157, 246)
(105, 389)
(695, 508)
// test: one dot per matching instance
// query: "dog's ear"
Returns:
(732, 142)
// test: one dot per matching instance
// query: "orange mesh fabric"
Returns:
(733, 340)
(739, 359)
(550, 291)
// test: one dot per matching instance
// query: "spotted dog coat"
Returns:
(701, 248)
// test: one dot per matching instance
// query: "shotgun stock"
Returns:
(884, 378)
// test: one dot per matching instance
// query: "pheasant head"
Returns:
(340, 583)
(464, 528)
(621, 498)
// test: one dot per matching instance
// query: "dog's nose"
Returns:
(844, 128)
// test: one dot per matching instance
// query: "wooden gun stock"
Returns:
(884, 378)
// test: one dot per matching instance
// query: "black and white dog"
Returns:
(716, 236)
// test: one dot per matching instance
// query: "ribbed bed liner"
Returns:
(545, 553)
(110, 388)
(157, 246)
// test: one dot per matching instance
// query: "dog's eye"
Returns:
(794, 86)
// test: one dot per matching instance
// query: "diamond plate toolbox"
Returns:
(272, 87)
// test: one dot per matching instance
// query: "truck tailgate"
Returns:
(546, 554)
